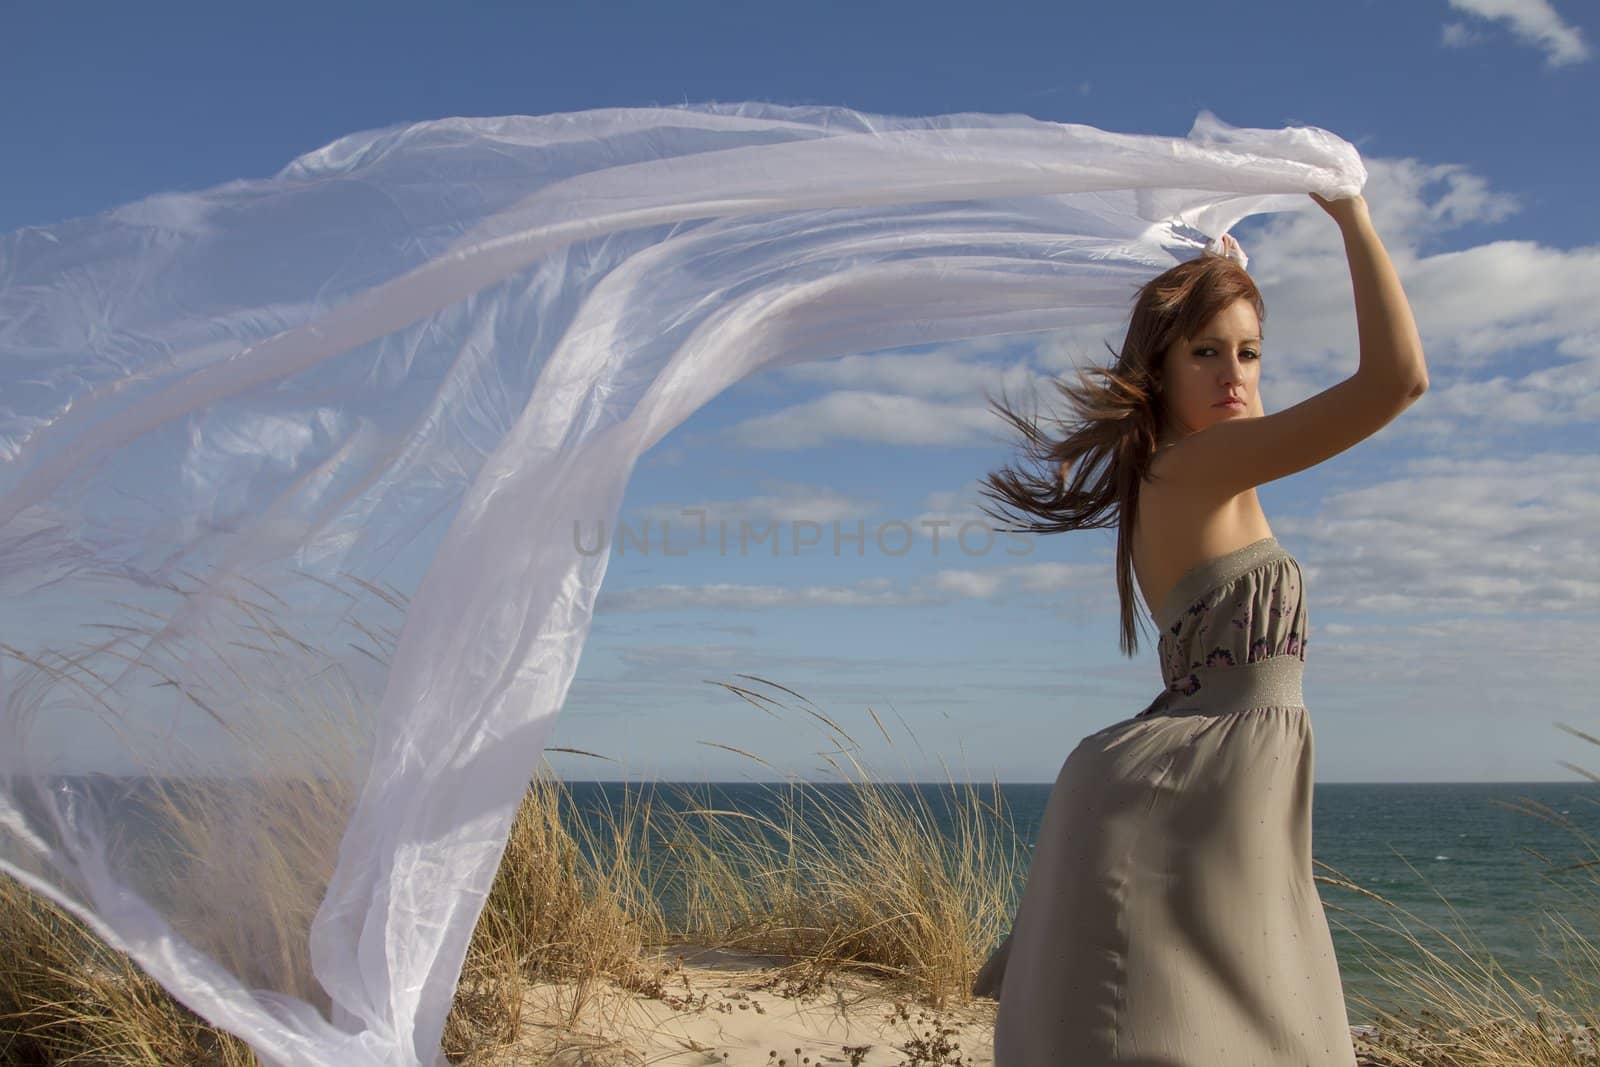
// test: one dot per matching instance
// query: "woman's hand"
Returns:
(1344, 210)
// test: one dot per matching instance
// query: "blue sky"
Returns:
(1451, 564)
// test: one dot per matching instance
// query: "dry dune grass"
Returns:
(863, 880)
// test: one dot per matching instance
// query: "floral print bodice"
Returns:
(1254, 609)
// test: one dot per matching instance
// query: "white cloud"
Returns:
(973, 585)
(1507, 295)
(859, 415)
(1458, 35)
(1487, 536)
(953, 370)
(1534, 22)
(785, 502)
(736, 597)
(996, 582)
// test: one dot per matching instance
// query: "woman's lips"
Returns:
(1236, 404)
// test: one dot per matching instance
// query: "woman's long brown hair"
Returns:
(1117, 422)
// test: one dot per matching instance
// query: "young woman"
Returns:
(1170, 915)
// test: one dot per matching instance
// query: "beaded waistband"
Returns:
(1273, 681)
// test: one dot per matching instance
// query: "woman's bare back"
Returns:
(1178, 527)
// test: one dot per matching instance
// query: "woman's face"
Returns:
(1202, 372)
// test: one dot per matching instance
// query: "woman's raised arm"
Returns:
(1391, 350)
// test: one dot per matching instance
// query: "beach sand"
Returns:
(734, 1008)
(727, 1007)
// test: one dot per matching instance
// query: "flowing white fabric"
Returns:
(407, 364)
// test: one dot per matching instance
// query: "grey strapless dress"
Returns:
(1170, 917)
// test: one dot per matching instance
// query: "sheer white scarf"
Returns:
(407, 363)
